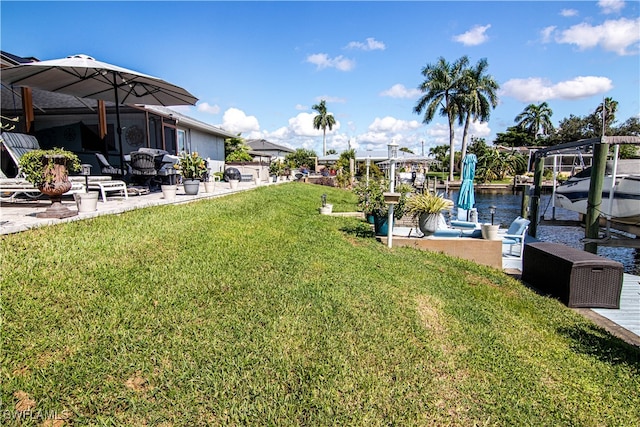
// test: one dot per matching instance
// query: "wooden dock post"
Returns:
(524, 205)
(537, 191)
(594, 201)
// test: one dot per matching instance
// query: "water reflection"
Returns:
(508, 206)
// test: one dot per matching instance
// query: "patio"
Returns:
(20, 214)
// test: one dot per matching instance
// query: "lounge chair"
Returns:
(18, 144)
(107, 169)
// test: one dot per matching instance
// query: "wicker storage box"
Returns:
(577, 278)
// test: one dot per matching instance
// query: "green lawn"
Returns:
(253, 309)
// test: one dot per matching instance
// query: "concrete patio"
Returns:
(20, 214)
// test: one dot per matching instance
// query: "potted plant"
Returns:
(427, 208)
(49, 171)
(371, 202)
(193, 168)
(209, 183)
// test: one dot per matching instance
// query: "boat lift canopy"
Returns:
(597, 178)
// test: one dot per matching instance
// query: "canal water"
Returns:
(508, 207)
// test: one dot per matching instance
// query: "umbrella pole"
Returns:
(118, 127)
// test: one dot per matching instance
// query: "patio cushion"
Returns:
(448, 232)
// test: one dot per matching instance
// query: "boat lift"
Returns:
(600, 153)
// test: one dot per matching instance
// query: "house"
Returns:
(260, 148)
(60, 120)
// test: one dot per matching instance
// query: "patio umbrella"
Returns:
(84, 77)
(466, 197)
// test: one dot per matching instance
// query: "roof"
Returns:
(378, 156)
(8, 59)
(189, 121)
(264, 145)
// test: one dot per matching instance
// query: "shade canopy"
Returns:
(84, 77)
(466, 197)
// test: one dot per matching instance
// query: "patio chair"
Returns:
(143, 167)
(17, 144)
(515, 234)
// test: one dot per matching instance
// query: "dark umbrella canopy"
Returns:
(84, 77)
(466, 197)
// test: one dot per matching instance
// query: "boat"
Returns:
(573, 193)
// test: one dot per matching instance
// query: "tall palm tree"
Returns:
(323, 120)
(609, 107)
(536, 119)
(441, 87)
(478, 98)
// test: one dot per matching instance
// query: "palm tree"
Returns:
(609, 106)
(323, 120)
(442, 87)
(478, 98)
(536, 119)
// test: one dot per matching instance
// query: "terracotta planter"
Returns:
(58, 185)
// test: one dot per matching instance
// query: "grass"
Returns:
(253, 309)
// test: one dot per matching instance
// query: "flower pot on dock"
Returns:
(490, 232)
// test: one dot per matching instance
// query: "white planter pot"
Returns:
(429, 222)
(86, 202)
(490, 232)
(326, 209)
(169, 191)
(209, 186)
(233, 183)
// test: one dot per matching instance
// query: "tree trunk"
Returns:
(324, 141)
(452, 148)
(465, 134)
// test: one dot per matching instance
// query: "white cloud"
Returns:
(369, 44)
(302, 125)
(473, 37)
(331, 99)
(236, 121)
(390, 124)
(300, 107)
(611, 6)
(400, 91)
(613, 35)
(546, 33)
(205, 107)
(536, 89)
(322, 61)
(568, 12)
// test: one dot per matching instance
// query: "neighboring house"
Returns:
(69, 122)
(260, 148)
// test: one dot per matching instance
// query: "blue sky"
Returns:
(258, 67)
